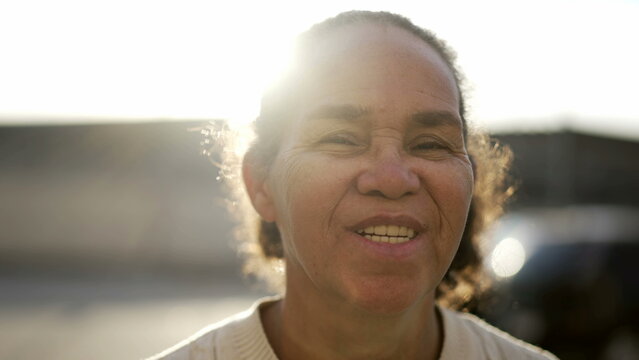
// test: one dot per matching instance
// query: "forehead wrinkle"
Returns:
(346, 112)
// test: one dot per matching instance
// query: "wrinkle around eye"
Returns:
(438, 151)
(431, 143)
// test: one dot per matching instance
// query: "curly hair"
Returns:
(260, 241)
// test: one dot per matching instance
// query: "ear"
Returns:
(258, 190)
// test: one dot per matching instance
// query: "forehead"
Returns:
(372, 65)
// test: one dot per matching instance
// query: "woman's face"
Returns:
(372, 183)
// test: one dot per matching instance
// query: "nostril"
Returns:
(389, 179)
(375, 193)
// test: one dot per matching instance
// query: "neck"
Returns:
(314, 325)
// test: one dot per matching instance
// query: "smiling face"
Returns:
(372, 183)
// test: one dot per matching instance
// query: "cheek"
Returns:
(307, 191)
(451, 186)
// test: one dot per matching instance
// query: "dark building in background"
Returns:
(566, 168)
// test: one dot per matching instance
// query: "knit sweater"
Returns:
(242, 337)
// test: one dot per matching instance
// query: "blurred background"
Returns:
(114, 239)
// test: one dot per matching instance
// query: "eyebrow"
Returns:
(338, 112)
(350, 112)
(436, 119)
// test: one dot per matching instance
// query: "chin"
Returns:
(389, 296)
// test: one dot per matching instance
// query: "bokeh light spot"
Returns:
(507, 258)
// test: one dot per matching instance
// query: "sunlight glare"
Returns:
(507, 258)
(197, 59)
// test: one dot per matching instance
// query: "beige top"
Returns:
(242, 337)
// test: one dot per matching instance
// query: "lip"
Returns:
(387, 251)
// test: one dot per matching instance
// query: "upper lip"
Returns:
(389, 219)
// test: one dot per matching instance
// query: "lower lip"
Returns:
(397, 251)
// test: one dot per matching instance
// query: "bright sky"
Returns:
(531, 65)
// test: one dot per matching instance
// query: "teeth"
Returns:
(392, 234)
(380, 230)
(387, 239)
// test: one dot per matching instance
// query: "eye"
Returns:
(428, 145)
(339, 139)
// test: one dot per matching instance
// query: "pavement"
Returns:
(89, 317)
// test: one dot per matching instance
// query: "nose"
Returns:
(388, 175)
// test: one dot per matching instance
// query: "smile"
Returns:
(393, 234)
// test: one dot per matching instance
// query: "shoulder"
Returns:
(222, 340)
(468, 337)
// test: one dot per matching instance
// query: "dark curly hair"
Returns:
(263, 249)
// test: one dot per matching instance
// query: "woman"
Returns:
(371, 191)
